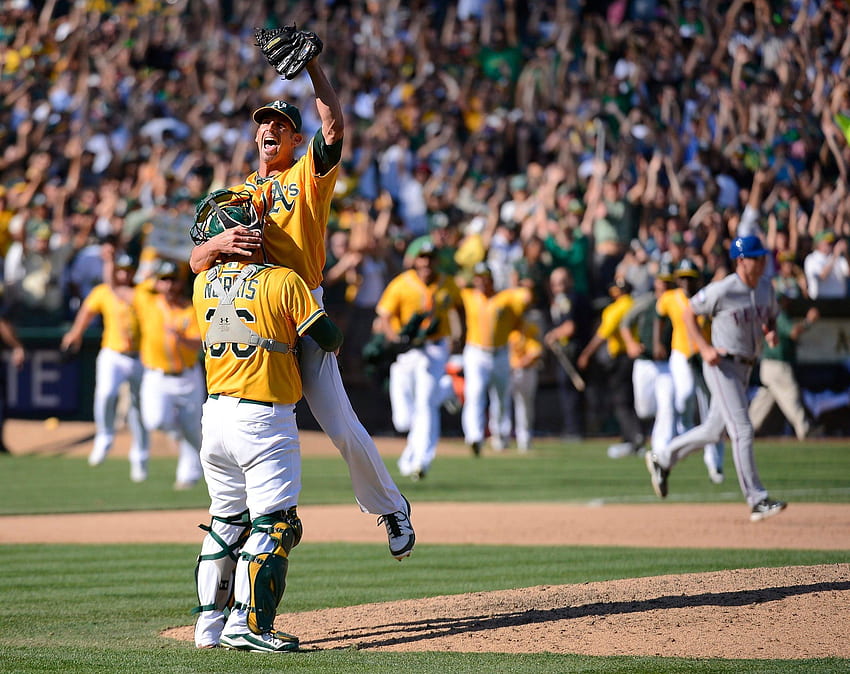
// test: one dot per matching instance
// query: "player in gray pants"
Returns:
(743, 310)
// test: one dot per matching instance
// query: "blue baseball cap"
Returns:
(282, 108)
(747, 246)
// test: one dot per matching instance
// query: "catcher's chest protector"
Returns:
(225, 325)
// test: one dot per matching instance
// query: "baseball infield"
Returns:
(792, 612)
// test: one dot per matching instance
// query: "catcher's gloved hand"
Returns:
(411, 332)
(288, 49)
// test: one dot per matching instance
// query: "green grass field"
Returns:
(88, 608)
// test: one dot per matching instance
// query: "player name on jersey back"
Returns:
(248, 290)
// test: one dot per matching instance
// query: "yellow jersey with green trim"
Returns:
(407, 295)
(120, 324)
(296, 203)
(489, 320)
(161, 326)
(672, 304)
(275, 303)
(524, 347)
(609, 326)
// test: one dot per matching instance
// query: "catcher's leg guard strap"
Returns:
(217, 561)
(266, 560)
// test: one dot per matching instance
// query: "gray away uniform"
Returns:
(737, 314)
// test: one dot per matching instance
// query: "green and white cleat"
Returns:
(267, 642)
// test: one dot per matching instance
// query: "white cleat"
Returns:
(399, 531)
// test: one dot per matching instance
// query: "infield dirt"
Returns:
(792, 612)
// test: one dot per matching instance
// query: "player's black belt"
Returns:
(744, 360)
(247, 401)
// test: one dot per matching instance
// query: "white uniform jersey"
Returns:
(737, 313)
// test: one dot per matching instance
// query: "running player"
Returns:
(172, 383)
(118, 358)
(651, 380)
(490, 317)
(418, 381)
(743, 310)
(251, 318)
(297, 196)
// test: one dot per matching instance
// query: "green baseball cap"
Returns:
(282, 108)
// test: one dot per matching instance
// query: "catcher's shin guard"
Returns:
(266, 560)
(214, 573)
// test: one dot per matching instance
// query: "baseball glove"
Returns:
(288, 49)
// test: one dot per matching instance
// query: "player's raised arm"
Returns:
(289, 51)
(327, 104)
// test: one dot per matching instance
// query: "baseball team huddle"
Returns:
(257, 312)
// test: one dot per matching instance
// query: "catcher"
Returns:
(251, 318)
(296, 198)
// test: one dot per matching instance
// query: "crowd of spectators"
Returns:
(597, 136)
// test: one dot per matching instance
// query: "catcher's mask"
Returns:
(221, 210)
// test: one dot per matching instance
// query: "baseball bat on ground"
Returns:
(567, 364)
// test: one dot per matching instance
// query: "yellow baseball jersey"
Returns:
(523, 346)
(296, 203)
(489, 320)
(407, 295)
(672, 304)
(609, 326)
(275, 303)
(120, 324)
(161, 326)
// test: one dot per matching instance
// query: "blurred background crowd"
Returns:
(601, 137)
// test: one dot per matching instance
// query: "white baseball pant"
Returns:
(653, 391)
(683, 390)
(402, 390)
(325, 394)
(252, 461)
(251, 457)
(487, 376)
(172, 404)
(112, 369)
(425, 369)
(523, 393)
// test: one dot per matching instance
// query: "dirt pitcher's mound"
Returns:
(784, 613)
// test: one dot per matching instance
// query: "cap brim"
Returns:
(260, 113)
